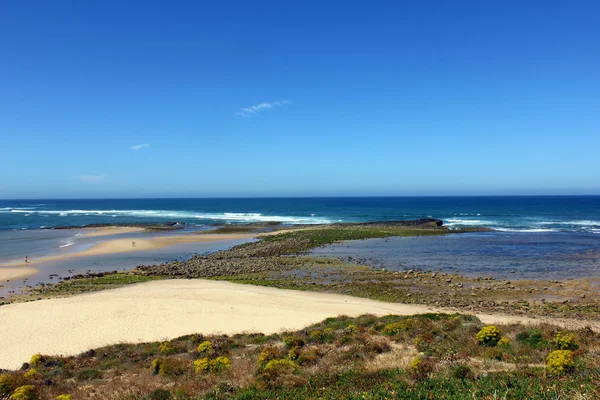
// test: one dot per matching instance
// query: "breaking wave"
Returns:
(180, 215)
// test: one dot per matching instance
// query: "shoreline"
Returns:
(20, 269)
(129, 314)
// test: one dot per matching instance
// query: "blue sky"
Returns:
(298, 98)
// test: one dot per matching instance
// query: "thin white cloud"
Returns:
(139, 146)
(253, 110)
(91, 178)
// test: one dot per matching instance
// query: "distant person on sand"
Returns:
(26, 260)
(133, 244)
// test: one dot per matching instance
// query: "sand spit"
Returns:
(7, 273)
(109, 230)
(131, 244)
(167, 309)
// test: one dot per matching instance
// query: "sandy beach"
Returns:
(7, 273)
(130, 244)
(168, 309)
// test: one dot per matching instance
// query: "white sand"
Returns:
(167, 309)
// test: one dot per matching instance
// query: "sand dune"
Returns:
(168, 309)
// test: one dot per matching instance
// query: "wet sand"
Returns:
(167, 309)
(7, 273)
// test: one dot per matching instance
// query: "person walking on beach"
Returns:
(26, 260)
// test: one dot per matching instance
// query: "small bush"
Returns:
(220, 364)
(493, 353)
(159, 394)
(63, 397)
(32, 374)
(532, 337)
(489, 335)
(7, 384)
(293, 341)
(420, 367)
(565, 341)
(462, 372)
(560, 361)
(216, 365)
(205, 346)
(202, 365)
(280, 367)
(350, 329)
(88, 375)
(26, 392)
(156, 365)
(267, 354)
(395, 328)
(172, 366)
(166, 348)
(36, 359)
(294, 354)
(504, 343)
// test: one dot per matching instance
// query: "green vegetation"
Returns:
(429, 356)
(489, 335)
(94, 283)
(303, 240)
(560, 361)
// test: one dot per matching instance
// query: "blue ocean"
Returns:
(511, 214)
(537, 236)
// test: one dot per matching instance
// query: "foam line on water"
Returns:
(226, 216)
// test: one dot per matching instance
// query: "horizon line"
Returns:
(298, 197)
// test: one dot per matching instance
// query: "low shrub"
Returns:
(32, 374)
(26, 392)
(63, 397)
(489, 335)
(565, 341)
(159, 394)
(171, 366)
(280, 367)
(351, 329)
(7, 384)
(166, 348)
(420, 367)
(205, 346)
(36, 359)
(220, 364)
(461, 371)
(293, 341)
(267, 354)
(88, 375)
(395, 328)
(532, 337)
(560, 361)
(202, 365)
(504, 343)
(215, 365)
(493, 353)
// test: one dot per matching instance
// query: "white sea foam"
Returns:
(458, 221)
(531, 230)
(585, 222)
(67, 244)
(227, 216)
